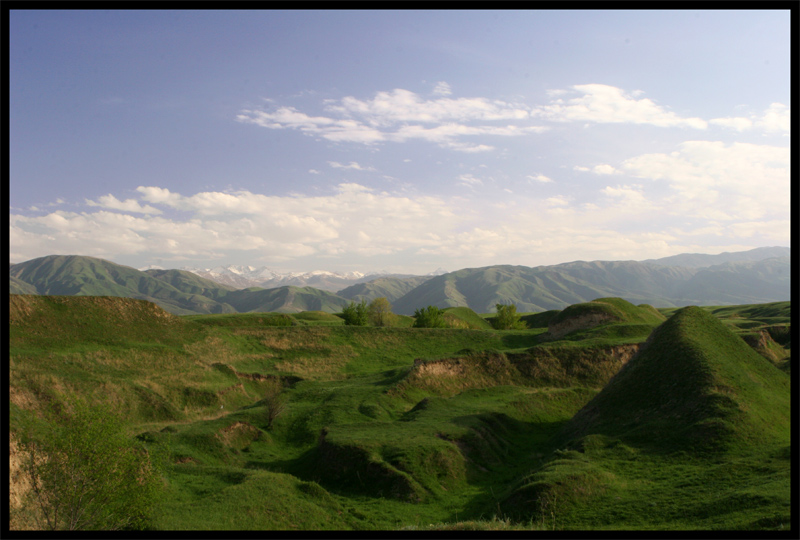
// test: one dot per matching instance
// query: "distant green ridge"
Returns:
(695, 384)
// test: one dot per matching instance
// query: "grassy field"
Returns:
(613, 426)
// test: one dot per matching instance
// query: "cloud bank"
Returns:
(702, 196)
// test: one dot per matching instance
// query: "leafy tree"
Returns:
(507, 318)
(380, 312)
(355, 314)
(86, 474)
(429, 317)
(274, 400)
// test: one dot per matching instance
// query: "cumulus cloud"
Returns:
(776, 119)
(402, 115)
(601, 103)
(128, 205)
(604, 168)
(712, 180)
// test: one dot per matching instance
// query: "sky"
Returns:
(396, 141)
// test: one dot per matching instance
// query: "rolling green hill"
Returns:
(693, 431)
(419, 428)
(532, 290)
(285, 300)
(70, 275)
(546, 288)
(696, 384)
(390, 288)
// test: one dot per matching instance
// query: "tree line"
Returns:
(379, 313)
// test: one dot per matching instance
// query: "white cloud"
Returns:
(402, 115)
(128, 205)
(313, 171)
(604, 168)
(353, 165)
(558, 200)
(582, 169)
(776, 119)
(601, 103)
(713, 181)
(442, 89)
(540, 178)
(470, 180)
(738, 123)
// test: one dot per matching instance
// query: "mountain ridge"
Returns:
(531, 289)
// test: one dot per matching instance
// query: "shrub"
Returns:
(379, 312)
(429, 317)
(507, 318)
(355, 314)
(85, 474)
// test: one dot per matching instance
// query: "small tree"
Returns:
(429, 317)
(274, 400)
(380, 312)
(355, 314)
(86, 474)
(507, 318)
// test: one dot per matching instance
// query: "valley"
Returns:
(602, 415)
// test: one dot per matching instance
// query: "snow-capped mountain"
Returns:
(243, 277)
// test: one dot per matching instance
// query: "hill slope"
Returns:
(390, 288)
(556, 287)
(72, 275)
(694, 384)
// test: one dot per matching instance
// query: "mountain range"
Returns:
(757, 276)
(241, 277)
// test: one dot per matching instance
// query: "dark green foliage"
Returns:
(355, 314)
(85, 474)
(429, 317)
(507, 318)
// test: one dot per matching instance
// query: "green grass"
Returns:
(428, 429)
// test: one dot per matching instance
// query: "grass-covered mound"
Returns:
(601, 311)
(695, 385)
(58, 322)
(464, 317)
(693, 433)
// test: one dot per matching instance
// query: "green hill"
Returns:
(601, 311)
(70, 275)
(390, 288)
(285, 300)
(695, 384)
(546, 288)
(416, 428)
(463, 317)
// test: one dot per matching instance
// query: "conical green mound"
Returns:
(695, 385)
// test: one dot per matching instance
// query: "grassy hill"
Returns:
(677, 436)
(87, 276)
(532, 290)
(426, 429)
(555, 287)
(390, 288)
(285, 300)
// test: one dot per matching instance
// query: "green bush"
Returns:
(85, 474)
(355, 314)
(429, 317)
(507, 318)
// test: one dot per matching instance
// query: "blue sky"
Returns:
(403, 141)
